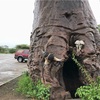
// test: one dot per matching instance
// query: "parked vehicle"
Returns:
(22, 55)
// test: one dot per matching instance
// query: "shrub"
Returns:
(99, 27)
(22, 46)
(89, 92)
(12, 50)
(32, 89)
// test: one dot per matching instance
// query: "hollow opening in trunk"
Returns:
(71, 77)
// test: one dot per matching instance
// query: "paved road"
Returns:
(10, 68)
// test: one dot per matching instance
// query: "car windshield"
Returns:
(26, 51)
(19, 51)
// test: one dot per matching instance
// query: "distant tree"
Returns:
(22, 46)
(1, 49)
(12, 50)
(99, 27)
(4, 49)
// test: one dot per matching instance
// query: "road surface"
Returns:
(10, 68)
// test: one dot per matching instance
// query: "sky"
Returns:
(16, 19)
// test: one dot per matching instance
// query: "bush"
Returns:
(12, 50)
(90, 92)
(4, 49)
(99, 27)
(22, 46)
(32, 89)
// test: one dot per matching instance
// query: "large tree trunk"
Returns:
(57, 25)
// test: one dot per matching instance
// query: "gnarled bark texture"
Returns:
(57, 25)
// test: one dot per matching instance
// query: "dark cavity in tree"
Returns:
(71, 77)
(67, 15)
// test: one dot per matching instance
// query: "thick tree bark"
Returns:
(57, 25)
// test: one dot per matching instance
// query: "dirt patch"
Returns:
(7, 92)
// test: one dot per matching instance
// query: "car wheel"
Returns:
(20, 59)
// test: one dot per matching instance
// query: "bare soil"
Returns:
(7, 92)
